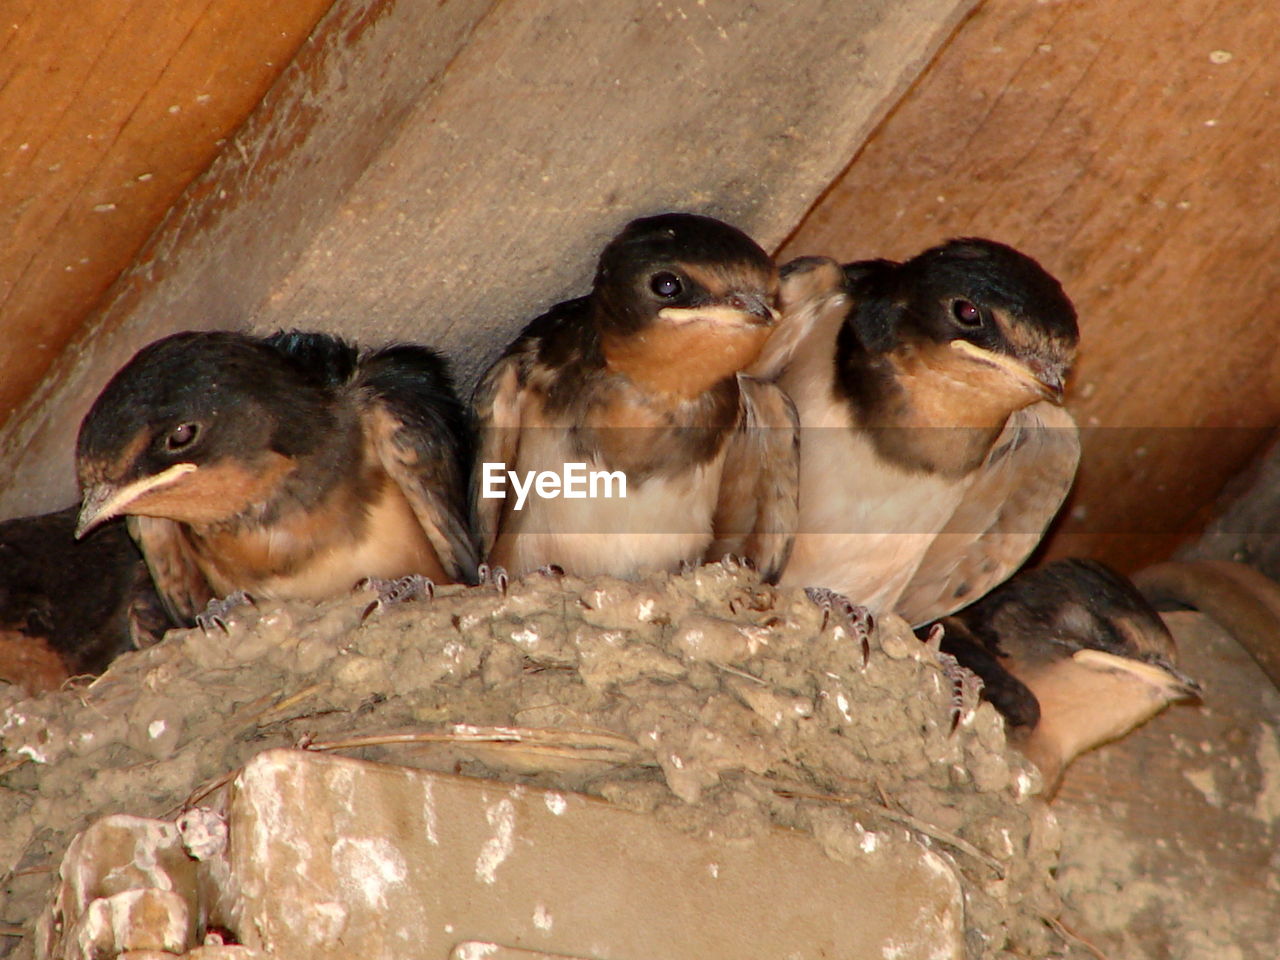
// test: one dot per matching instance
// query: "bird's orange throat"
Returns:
(949, 389)
(684, 360)
(214, 493)
(944, 412)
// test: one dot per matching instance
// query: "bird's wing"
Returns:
(423, 438)
(146, 617)
(182, 586)
(756, 510)
(813, 294)
(1002, 517)
(498, 403)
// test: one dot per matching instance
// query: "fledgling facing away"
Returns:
(642, 378)
(1072, 656)
(70, 607)
(934, 449)
(290, 467)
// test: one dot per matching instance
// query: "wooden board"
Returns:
(108, 109)
(444, 172)
(1131, 148)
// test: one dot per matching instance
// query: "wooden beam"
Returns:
(444, 172)
(1132, 150)
(108, 109)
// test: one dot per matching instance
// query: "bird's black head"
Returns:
(195, 426)
(990, 314)
(1080, 604)
(681, 263)
(1095, 655)
(694, 290)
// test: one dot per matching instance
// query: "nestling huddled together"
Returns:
(888, 435)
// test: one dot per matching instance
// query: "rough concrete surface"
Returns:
(718, 705)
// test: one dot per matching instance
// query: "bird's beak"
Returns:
(95, 508)
(1050, 380)
(103, 501)
(1046, 380)
(736, 310)
(1184, 686)
(756, 307)
(1159, 674)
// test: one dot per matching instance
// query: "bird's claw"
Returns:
(217, 611)
(934, 640)
(853, 618)
(495, 576)
(733, 562)
(965, 684)
(551, 570)
(398, 590)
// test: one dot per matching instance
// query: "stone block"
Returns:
(333, 857)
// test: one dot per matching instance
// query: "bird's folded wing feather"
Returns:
(498, 404)
(182, 586)
(420, 440)
(813, 296)
(756, 511)
(1002, 517)
(146, 616)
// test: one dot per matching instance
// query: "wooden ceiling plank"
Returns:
(110, 110)
(442, 173)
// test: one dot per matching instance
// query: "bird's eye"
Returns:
(182, 436)
(966, 313)
(666, 285)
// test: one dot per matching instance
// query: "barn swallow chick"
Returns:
(1072, 656)
(934, 449)
(288, 467)
(638, 385)
(70, 607)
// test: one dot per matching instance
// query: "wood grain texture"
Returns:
(108, 109)
(444, 172)
(1131, 149)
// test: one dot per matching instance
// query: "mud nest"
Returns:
(715, 702)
